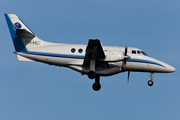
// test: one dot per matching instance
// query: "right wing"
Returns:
(94, 51)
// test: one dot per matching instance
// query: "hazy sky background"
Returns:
(36, 91)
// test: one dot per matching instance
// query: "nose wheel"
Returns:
(150, 82)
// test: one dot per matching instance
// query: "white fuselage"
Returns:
(92, 59)
(72, 56)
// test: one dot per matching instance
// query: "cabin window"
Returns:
(133, 52)
(80, 50)
(73, 50)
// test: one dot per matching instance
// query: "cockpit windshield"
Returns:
(139, 52)
(143, 53)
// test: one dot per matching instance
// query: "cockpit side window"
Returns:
(133, 52)
(138, 52)
(143, 53)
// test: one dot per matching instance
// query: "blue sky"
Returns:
(36, 91)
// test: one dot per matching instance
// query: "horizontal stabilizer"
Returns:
(21, 58)
(24, 33)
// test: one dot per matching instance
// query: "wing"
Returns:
(94, 51)
(24, 33)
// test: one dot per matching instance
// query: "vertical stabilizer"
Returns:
(23, 38)
(14, 24)
(18, 31)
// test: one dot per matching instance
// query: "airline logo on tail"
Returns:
(16, 25)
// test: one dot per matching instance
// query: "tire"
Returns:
(150, 83)
(96, 87)
(91, 74)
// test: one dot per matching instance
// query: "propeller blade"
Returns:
(128, 75)
(125, 52)
(125, 61)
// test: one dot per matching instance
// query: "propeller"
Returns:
(125, 52)
(125, 59)
(128, 75)
(125, 55)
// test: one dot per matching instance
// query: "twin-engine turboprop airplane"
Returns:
(93, 59)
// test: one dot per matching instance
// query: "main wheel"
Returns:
(150, 82)
(96, 87)
(91, 74)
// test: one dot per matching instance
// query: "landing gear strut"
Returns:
(92, 73)
(97, 86)
(150, 82)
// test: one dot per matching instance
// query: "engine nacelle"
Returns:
(113, 56)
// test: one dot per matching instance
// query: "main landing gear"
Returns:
(96, 86)
(150, 82)
(91, 74)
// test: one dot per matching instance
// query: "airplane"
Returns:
(93, 59)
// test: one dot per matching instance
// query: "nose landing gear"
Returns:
(150, 82)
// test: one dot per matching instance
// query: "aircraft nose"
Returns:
(163, 67)
(171, 69)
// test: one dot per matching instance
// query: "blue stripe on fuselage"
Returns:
(143, 61)
(56, 55)
(82, 57)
